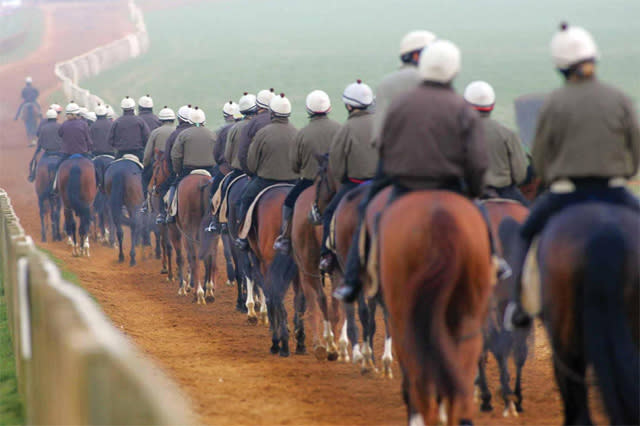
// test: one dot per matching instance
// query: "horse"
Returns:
(192, 196)
(77, 185)
(503, 343)
(587, 297)
(161, 231)
(48, 199)
(345, 224)
(30, 113)
(436, 274)
(123, 185)
(101, 210)
(279, 269)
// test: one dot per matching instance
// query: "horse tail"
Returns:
(74, 192)
(607, 338)
(281, 272)
(116, 198)
(430, 291)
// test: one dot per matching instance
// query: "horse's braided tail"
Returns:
(607, 338)
(74, 192)
(430, 290)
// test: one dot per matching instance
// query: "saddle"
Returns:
(224, 207)
(130, 157)
(498, 200)
(243, 232)
(216, 200)
(201, 172)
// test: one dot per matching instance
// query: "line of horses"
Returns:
(430, 271)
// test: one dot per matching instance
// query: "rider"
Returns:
(193, 148)
(48, 140)
(268, 159)
(29, 94)
(129, 133)
(587, 143)
(156, 143)
(145, 111)
(260, 120)
(352, 157)
(111, 114)
(507, 159)
(75, 134)
(248, 108)
(99, 132)
(184, 122)
(314, 139)
(231, 115)
(431, 139)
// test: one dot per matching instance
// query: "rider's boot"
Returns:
(514, 315)
(283, 242)
(349, 291)
(169, 217)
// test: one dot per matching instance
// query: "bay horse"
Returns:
(589, 278)
(436, 275)
(123, 185)
(503, 343)
(101, 210)
(48, 199)
(30, 113)
(193, 198)
(279, 269)
(77, 187)
(345, 225)
(156, 207)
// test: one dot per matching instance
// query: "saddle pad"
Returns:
(498, 200)
(224, 207)
(531, 289)
(75, 156)
(216, 200)
(132, 158)
(201, 172)
(107, 156)
(248, 219)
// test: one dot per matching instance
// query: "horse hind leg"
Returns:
(43, 224)
(252, 318)
(482, 391)
(520, 352)
(343, 344)
(263, 314)
(387, 355)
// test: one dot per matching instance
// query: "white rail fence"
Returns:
(92, 63)
(73, 365)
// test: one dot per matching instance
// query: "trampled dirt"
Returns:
(218, 359)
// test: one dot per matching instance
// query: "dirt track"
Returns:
(220, 361)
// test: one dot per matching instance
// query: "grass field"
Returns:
(30, 19)
(210, 52)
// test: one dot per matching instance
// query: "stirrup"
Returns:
(314, 215)
(170, 219)
(241, 244)
(327, 261)
(282, 244)
(515, 317)
(347, 293)
(160, 219)
(212, 227)
(502, 268)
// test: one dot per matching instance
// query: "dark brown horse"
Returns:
(587, 297)
(436, 272)
(279, 269)
(501, 342)
(193, 200)
(48, 200)
(77, 187)
(159, 176)
(123, 185)
(101, 211)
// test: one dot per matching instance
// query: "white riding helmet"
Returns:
(127, 103)
(572, 45)
(247, 103)
(110, 112)
(166, 114)
(51, 114)
(83, 112)
(480, 95)
(28, 80)
(358, 95)
(145, 102)
(263, 100)
(230, 109)
(318, 102)
(72, 108)
(91, 116)
(101, 110)
(280, 106)
(440, 62)
(416, 40)
(57, 108)
(184, 113)
(197, 116)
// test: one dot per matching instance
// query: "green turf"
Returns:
(11, 408)
(210, 52)
(66, 274)
(29, 18)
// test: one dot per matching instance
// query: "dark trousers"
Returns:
(147, 174)
(215, 183)
(551, 203)
(330, 210)
(137, 152)
(251, 191)
(511, 192)
(295, 192)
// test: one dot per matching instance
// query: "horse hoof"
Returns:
(132, 263)
(164, 271)
(210, 299)
(275, 348)
(519, 408)
(301, 350)
(120, 259)
(284, 351)
(486, 407)
(241, 308)
(252, 320)
(320, 353)
(333, 356)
